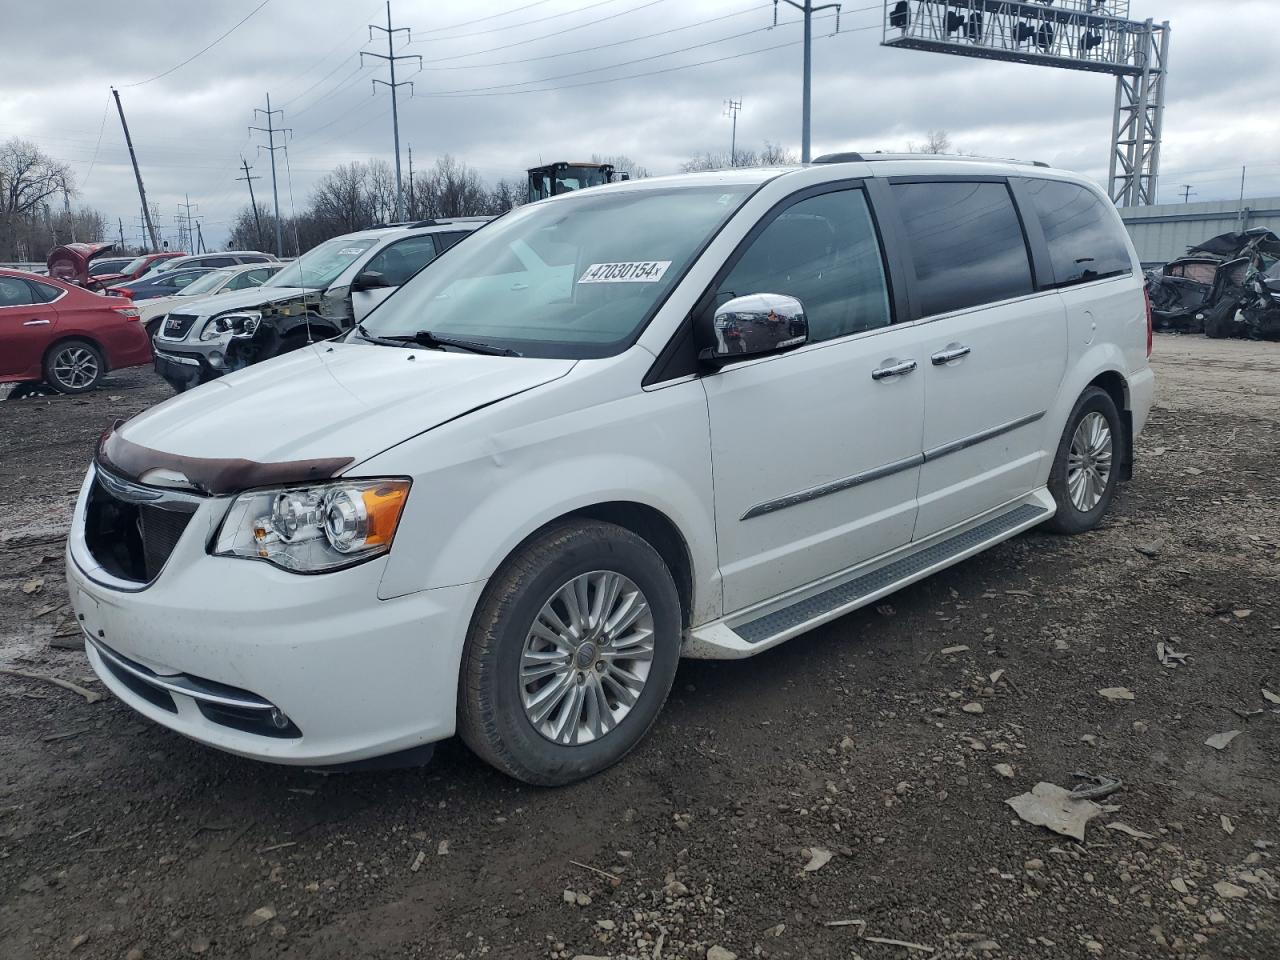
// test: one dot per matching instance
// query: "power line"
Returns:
(106, 108)
(522, 23)
(478, 92)
(601, 46)
(492, 16)
(204, 50)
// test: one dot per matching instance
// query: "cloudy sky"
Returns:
(507, 83)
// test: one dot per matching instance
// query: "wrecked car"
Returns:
(320, 295)
(1202, 291)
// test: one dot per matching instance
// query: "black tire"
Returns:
(1071, 519)
(153, 327)
(492, 719)
(66, 366)
(1217, 322)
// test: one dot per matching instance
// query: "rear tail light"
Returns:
(129, 312)
(1146, 295)
(122, 292)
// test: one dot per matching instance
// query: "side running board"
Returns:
(736, 638)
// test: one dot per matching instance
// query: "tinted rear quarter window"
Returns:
(1085, 241)
(966, 243)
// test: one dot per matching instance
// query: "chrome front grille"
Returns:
(131, 529)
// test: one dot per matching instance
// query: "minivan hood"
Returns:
(333, 400)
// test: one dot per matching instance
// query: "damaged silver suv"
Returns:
(319, 295)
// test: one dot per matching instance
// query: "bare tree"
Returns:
(936, 142)
(621, 163)
(30, 180)
(772, 155)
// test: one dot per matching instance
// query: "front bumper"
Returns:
(352, 676)
(182, 371)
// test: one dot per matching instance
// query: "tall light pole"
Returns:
(808, 9)
(391, 57)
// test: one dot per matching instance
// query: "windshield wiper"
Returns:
(425, 338)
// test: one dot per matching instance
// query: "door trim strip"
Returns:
(836, 486)
(955, 446)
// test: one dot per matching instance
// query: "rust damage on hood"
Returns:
(211, 475)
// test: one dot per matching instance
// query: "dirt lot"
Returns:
(875, 739)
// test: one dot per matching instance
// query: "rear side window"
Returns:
(966, 242)
(43, 292)
(215, 262)
(824, 251)
(446, 240)
(1085, 241)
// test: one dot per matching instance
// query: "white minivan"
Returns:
(685, 416)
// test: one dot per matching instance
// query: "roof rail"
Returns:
(872, 157)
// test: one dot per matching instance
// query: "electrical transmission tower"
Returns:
(271, 130)
(731, 109)
(186, 239)
(392, 57)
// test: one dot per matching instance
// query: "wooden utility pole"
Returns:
(257, 219)
(133, 157)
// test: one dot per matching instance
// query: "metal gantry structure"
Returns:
(392, 58)
(1091, 35)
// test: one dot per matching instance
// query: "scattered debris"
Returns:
(1129, 831)
(1148, 549)
(818, 858)
(32, 586)
(974, 707)
(1117, 693)
(996, 675)
(1229, 891)
(1004, 769)
(844, 923)
(906, 945)
(90, 696)
(603, 873)
(1048, 805)
(1219, 741)
(1238, 614)
(260, 916)
(1227, 826)
(720, 953)
(1270, 697)
(278, 846)
(443, 849)
(1098, 787)
(1168, 656)
(418, 861)
(958, 648)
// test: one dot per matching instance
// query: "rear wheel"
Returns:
(571, 654)
(74, 366)
(1086, 467)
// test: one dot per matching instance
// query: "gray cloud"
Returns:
(190, 127)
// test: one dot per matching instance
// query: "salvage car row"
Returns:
(204, 315)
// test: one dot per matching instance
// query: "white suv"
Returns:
(694, 415)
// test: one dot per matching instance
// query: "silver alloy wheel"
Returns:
(1089, 462)
(586, 657)
(75, 368)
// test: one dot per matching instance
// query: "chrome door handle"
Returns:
(35, 323)
(946, 356)
(893, 370)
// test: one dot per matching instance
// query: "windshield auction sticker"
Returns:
(637, 271)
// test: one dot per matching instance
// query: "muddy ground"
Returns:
(120, 840)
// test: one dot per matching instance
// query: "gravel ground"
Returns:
(839, 796)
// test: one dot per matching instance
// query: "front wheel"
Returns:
(1086, 465)
(571, 654)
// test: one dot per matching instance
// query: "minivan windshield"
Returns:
(573, 277)
(321, 265)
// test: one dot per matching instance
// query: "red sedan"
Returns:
(60, 334)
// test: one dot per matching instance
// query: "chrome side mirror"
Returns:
(755, 324)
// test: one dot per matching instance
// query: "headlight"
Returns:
(232, 326)
(315, 528)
